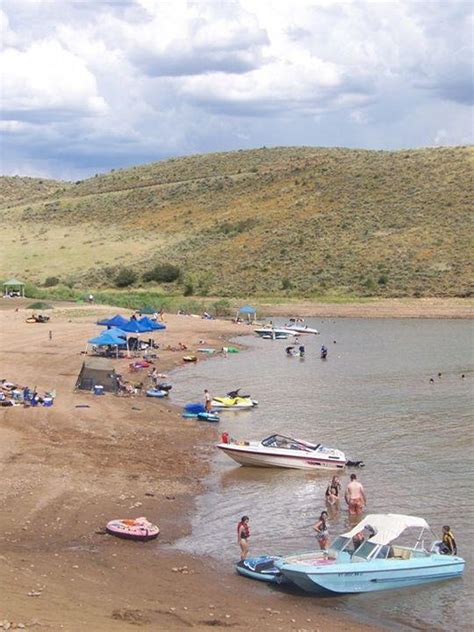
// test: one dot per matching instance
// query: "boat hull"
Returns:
(384, 575)
(257, 459)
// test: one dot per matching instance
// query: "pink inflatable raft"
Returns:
(137, 529)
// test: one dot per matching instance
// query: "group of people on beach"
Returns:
(12, 394)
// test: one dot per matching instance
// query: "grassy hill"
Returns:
(296, 221)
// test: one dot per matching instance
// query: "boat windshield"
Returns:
(340, 543)
(365, 550)
(279, 441)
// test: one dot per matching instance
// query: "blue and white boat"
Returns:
(368, 558)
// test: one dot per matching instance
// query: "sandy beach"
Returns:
(68, 469)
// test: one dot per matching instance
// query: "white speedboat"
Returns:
(274, 332)
(280, 451)
(300, 328)
(369, 558)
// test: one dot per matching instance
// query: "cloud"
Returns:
(111, 83)
(47, 82)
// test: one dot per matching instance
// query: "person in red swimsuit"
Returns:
(243, 535)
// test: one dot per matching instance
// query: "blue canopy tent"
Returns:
(146, 322)
(110, 338)
(134, 327)
(115, 321)
(249, 310)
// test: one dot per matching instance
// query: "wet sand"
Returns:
(66, 471)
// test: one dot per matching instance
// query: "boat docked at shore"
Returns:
(367, 559)
(300, 328)
(274, 332)
(281, 451)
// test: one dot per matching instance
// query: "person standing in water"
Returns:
(207, 401)
(355, 496)
(322, 531)
(243, 535)
(333, 491)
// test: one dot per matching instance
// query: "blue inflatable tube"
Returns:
(153, 392)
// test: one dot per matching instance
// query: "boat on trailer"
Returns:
(281, 451)
(357, 563)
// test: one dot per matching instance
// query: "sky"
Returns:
(93, 85)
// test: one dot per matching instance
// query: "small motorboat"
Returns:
(274, 332)
(208, 350)
(261, 568)
(133, 529)
(156, 392)
(300, 328)
(189, 358)
(234, 403)
(40, 318)
(281, 451)
(367, 558)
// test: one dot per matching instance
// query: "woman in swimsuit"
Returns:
(332, 494)
(243, 535)
(322, 531)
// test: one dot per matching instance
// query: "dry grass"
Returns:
(294, 221)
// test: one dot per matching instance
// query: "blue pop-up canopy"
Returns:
(107, 338)
(133, 326)
(115, 321)
(150, 324)
(249, 310)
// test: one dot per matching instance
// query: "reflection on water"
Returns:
(374, 400)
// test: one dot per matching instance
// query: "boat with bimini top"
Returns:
(369, 558)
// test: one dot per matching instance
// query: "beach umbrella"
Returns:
(40, 305)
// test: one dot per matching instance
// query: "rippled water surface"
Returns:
(373, 399)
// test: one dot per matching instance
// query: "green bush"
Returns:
(125, 277)
(163, 273)
(51, 281)
(221, 308)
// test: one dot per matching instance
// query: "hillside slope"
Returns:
(298, 220)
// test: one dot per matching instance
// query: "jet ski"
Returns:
(233, 403)
(261, 568)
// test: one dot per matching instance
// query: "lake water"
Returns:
(373, 399)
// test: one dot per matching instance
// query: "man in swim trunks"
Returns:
(207, 401)
(355, 496)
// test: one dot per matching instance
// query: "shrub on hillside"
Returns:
(163, 273)
(51, 281)
(125, 277)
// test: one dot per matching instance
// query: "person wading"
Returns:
(355, 496)
(243, 535)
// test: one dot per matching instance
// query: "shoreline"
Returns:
(68, 470)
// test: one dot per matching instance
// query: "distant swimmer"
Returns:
(439, 375)
(431, 380)
(355, 496)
